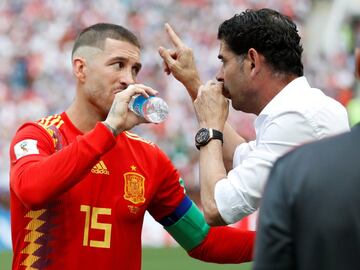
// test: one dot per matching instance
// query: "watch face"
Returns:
(202, 136)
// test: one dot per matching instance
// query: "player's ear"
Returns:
(79, 68)
(255, 61)
(357, 62)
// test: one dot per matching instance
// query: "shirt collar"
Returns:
(298, 84)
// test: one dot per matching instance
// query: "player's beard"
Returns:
(225, 92)
(102, 105)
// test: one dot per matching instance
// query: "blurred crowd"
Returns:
(36, 37)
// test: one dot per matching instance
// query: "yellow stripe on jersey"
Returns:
(46, 121)
(59, 124)
(50, 121)
(30, 249)
(48, 124)
(35, 223)
(135, 137)
(29, 261)
(55, 120)
(31, 237)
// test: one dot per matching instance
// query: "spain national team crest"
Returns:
(134, 187)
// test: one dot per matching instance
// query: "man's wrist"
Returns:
(113, 130)
(192, 86)
(205, 135)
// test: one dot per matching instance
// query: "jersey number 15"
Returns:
(92, 213)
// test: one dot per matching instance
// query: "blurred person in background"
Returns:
(80, 183)
(309, 216)
(261, 73)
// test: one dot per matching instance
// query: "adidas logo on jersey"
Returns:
(100, 168)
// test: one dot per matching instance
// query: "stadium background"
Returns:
(36, 79)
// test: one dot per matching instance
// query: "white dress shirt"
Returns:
(296, 115)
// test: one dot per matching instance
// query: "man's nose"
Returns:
(127, 78)
(220, 75)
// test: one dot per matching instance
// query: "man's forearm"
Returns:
(231, 141)
(192, 86)
(225, 245)
(211, 171)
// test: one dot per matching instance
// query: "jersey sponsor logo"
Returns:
(26, 147)
(134, 187)
(100, 168)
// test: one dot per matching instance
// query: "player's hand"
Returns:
(180, 62)
(120, 118)
(211, 107)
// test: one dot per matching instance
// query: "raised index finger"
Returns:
(173, 36)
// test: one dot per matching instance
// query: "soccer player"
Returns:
(81, 182)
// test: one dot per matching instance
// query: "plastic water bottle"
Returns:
(153, 109)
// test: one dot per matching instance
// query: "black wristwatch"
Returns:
(205, 135)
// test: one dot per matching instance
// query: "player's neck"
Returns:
(271, 88)
(82, 117)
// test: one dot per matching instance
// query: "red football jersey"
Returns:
(78, 201)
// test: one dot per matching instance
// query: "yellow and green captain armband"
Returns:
(186, 224)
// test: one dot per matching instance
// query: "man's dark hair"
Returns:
(270, 33)
(95, 36)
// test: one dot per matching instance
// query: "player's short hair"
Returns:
(95, 36)
(271, 33)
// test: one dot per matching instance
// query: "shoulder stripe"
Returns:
(131, 135)
(55, 120)
(52, 124)
(58, 125)
(45, 121)
(135, 137)
(52, 120)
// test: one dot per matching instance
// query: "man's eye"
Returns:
(119, 65)
(136, 71)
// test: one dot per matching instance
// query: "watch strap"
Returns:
(213, 134)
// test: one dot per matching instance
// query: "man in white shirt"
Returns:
(262, 73)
